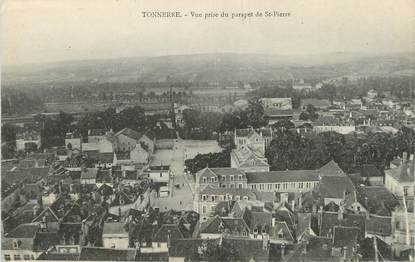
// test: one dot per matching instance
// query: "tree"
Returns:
(221, 159)
(283, 124)
(255, 113)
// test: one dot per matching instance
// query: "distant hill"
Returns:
(220, 67)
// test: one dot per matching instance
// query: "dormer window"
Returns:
(240, 177)
(232, 178)
(17, 243)
(212, 179)
(204, 180)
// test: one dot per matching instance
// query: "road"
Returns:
(181, 197)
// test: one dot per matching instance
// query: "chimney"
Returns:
(168, 238)
(273, 222)
(282, 251)
(265, 242)
(340, 213)
(320, 216)
(404, 157)
(300, 200)
(367, 202)
(292, 205)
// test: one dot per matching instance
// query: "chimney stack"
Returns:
(340, 213)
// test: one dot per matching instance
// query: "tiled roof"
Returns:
(330, 219)
(257, 219)
(379, 225)
(331, 169)
(24, 231)
(114, 228)
(188, 247)
(272, 112)
(370, 171)
(335, 187)
(247, 248)
(162, 233)
(89, 173)
(107, 254)
(403, 173)
(282, 176)
(319, 103)
(129, 133)
(97, 132)
(345, 236)
(281, 227)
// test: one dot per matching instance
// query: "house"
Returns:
(208, 197)
(314, 249)
(259, 222)
(28, 140)
(26, 242)
(277, 108)
(400, 180)
(127, 139)
(138, 155)
(380, 227)
(221, 177)
(372, 174)
(95, 135)
(89, 175)
(163, 237)
(115, 236)
(246, 249)
(101, 144)
(403, 229)
(159, 174)
(296, 181)
(73, 141)
(178, 113)
(217, 227)
(345, 242)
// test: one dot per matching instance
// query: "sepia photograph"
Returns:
(180, 131)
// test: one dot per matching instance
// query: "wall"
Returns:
(120, 242)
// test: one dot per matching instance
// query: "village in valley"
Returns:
(217, 174)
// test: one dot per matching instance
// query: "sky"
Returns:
(36, 31)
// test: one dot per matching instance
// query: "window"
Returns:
(405, 190)
(203, 209)
(112, 245)
(232, 177)
(212, 179)
(16, 243)
(213, 198)
(240, 185)
(231, 185)
(17, 257)
(7, 257)
(204, 197)
(158, 244)
(161, 174)
(223, 178)
(300, 185)
(244, 233)
(26, 257)
(269, 186)
(240, 177)
(204, 180)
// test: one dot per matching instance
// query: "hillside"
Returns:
(210, 68)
